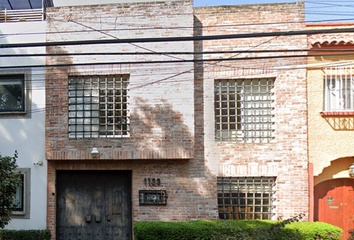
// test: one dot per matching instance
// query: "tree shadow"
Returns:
(159, 128)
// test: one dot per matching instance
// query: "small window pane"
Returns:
(12, 96)
(245, 111)
(19, 199)
(96, 103)
(339, 89)
(245, 197)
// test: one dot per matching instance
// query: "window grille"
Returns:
(98, 106)
(245, 197)
(244, 110)
(339, 89)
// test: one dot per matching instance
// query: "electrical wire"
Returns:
(177, 39)
(170, 53)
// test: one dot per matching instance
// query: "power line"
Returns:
(174, 61)
(288, 67)
(170, 53)
(162, 28)
(178, 39)
(146, 28)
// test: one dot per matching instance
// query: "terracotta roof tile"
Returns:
(336, 39)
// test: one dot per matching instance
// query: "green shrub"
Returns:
(236, 230)
(9, 182)
(24, 234)
(316, 230)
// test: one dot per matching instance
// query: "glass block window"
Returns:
(12, 93)
(244, 110)
(98, 106)
(245, 197)
(339, 89)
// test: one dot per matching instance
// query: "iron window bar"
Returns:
(98, 106)
(244, 110)
(339, 89)
(245, 197)
(152, 197)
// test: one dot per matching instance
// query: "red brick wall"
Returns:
(160, 95)
(285, 157)
(172, 105)
(166, 139)
(191, 193)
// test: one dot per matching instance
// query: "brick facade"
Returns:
(161, 103)
(172, 104)
(285, 157)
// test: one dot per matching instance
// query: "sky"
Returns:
(316, 10)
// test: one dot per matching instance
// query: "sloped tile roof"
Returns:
(333, 39)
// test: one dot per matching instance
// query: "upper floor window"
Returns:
(98, 106)
(339, 89)
(244, 110)
(12, 93)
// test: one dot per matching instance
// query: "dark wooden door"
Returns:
(334, 201)
(94, 205)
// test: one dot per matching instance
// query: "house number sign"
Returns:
(152, 197)
(152, 182)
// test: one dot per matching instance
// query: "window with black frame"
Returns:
(19, 199)
(12, 93)
(23, 195)
(245, 197)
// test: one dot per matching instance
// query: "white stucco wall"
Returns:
(25, 133)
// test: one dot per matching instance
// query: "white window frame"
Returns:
(339, 89)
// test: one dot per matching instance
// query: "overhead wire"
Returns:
(288, 67)
(155, 29)
(176, 39)
(114, 37)
(176, 53)
(213, 60)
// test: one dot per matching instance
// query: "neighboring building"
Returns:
(330, 122)
(168, 139)
(255, 111)
(22, 108)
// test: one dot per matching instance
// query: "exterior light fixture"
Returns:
(39, 163)
(94, 153)
(351, 170)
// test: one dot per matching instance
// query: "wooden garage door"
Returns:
(334, 201)
(94, 205)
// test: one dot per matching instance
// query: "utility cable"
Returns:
(178, 39)
(114, 37)
(170, 53)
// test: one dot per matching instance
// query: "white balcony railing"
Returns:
(22, 15)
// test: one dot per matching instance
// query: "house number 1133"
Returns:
(152, 182)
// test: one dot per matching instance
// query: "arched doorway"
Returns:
(334, 203)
